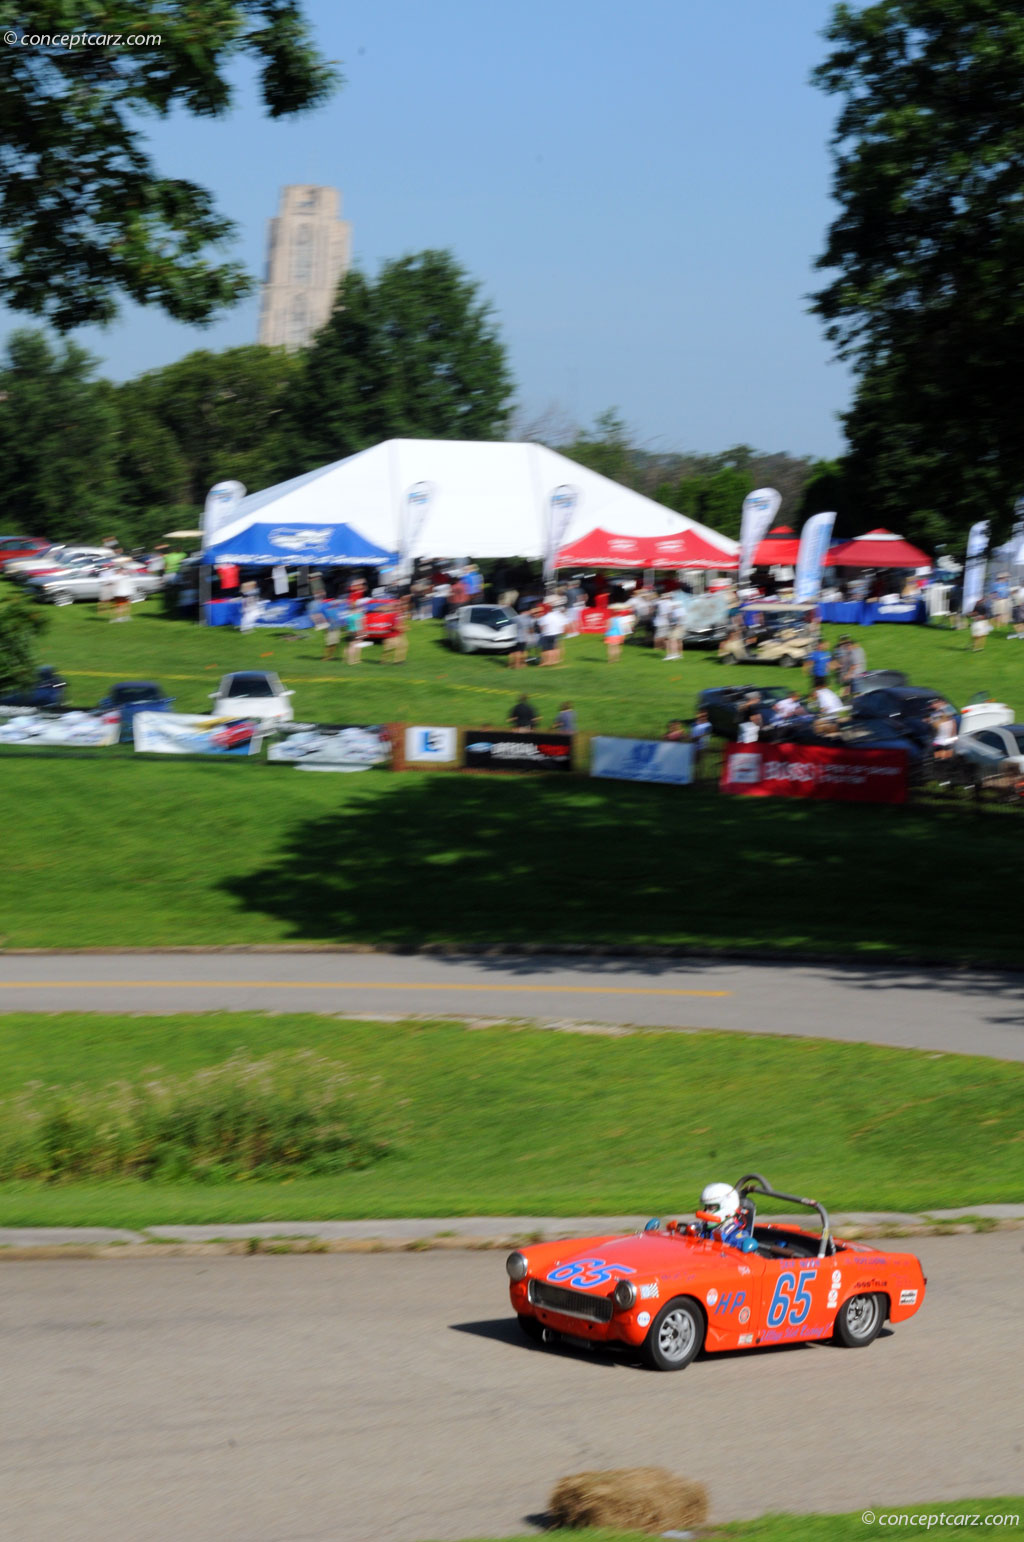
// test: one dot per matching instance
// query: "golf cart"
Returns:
(771, 632)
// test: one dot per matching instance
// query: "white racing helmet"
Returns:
(721, 1200)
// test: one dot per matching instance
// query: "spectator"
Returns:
(662, 622)
(818, 664)
(354, 629)
(517, 655)
(750, 727)
(700, 735)
(980, 626)
(552, 625)
(614, 633)
(944, 727)
(523, 716)
(827, 702)
(676, 628)
(1018, 616)
(565, 718)
(675, 733)
(396, 643)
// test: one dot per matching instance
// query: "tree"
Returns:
(928, 249)
(412, 354)
(57, 440)
(86, 214)
(20, 624)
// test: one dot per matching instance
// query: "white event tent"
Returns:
(440, 498)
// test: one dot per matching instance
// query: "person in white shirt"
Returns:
(828, 703)
(552, 625)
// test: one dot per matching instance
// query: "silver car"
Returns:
(87, 582)
(481, 629)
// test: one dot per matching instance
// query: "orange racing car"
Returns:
(730, 1281)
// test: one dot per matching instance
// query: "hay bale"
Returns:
(631, 1498)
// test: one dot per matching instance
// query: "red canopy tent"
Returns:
(779, 548)
(877, 549)
(600, 549)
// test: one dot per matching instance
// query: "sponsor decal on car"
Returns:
(649, 1292)
(833, 1292)
(746, 1338)
(908, 1298)
(643, 1318)
(712, 1297)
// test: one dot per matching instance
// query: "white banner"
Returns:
(221, 502)
(759, 511)
(642, 760)
(561, 508)
(77, 728)
(974, 571)
(332, 747)
(416, 507)
(424, 746)
(184, 733)
(812, 558)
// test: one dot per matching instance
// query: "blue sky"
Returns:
(640, 191)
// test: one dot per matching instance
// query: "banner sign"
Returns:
(332, 746)
(815, 771)
(759, 511)
(221, 502)
(495, 749)
(92, 729)
(642, 760)
(561, 508)
(418, 499)
(974, 572)
(812, 556)
(183, 733)
(431, 746)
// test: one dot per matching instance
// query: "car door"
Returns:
(796, 1300)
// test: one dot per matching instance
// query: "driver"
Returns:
(720, 1215)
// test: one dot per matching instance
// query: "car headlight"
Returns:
(516, 1266)
(624, 1295)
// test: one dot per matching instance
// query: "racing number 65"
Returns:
(792, 1299)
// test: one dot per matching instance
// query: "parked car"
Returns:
(54, 560)
(707, 620)
(86, 582)
(908, 709)
(725, 704)
(877, 679)
(48, 691)
(481, 629)
(982, 712)
(253, 693)
(1005, 741)
(132, 696)
(772, 632)
(20, 548)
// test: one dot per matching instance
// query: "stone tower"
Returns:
(309, 249)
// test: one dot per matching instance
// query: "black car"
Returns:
(48, 691)
(907, 710)
(876, 680)
(726, 705)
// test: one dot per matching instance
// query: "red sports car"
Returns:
(670, 1293)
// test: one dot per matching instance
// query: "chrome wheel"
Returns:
(676, 1335)
(860, 1321)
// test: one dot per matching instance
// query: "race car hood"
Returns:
(594, 1262)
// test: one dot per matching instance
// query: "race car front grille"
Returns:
(570, 1303)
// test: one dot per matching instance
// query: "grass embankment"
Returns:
(104, 848)
(833, 1528)
(128, 852)
(507, 1121)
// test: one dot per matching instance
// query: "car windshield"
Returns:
(1017, 730)
(123, 694)
(490, 615)
(249, 685)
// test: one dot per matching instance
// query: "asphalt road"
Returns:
(332, 1398)
(978, 1012)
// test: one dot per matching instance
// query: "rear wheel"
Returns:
(860, 1321)
(676, 1336)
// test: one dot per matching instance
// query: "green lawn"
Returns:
(481, 1124)
(829, 1528)
(105, 848)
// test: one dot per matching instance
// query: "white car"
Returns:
(1004, 740)
(253, 693)
(481, 629)
(86, 581)
(985, 714)
(57, 558)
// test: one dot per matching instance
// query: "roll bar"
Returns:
(754, 1183)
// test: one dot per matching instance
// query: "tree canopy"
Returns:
(87, 217)
(413, 353)
(927, 256)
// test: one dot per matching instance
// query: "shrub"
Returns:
(288, 1114)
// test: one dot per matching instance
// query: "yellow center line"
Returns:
(353, 985)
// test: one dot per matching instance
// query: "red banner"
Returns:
(814, 771)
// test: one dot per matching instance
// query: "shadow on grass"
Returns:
(505, 861)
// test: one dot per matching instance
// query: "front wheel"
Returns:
(787, 661)
(676, 1336)
(62, 597)
(859, 1321)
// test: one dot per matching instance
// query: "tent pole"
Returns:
(204, 592)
